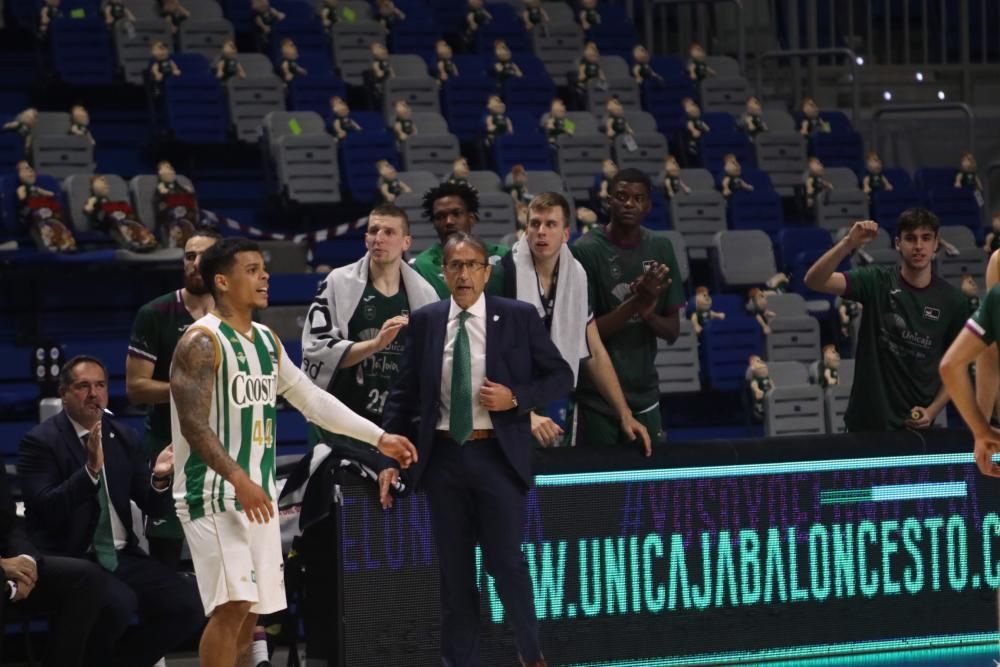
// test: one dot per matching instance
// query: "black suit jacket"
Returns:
(519, 355)
(13, 539)
(60, 498)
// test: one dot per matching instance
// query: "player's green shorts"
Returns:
(598, 430)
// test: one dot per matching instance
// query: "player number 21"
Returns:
(263, 432)
(376, 401)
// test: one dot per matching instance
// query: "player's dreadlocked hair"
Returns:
(467, 194)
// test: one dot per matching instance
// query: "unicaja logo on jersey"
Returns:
(246, 390)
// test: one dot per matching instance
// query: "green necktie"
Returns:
(104, 539)
(460, 419)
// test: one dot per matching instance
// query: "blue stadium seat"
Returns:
(290, 289)
(615, 35)
(313, 92)
(196, 109)
(659, 212)
(530, 149)
(81, 51)
(954, 206)
(886, 206)
(714, 146)
(793, 243)
(307, 33)
(463, 101)
(358, 155)
(449, 14)
(239, 13)
(506, 25)
(760, 209)
(726, 347)
(529, 95)
(417, 34)
(192, 64)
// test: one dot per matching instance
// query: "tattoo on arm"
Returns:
(192, 377)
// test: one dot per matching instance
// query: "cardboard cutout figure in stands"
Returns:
(116, 218)
(759, 384)
(264, 17)
(80, 123)
(389, 184)
(342, 124)
(967, 176)
(40, 211)
(812, 121)
(703, 313)
(49, 13)
(829, 367)
(475, 17)
(389, 14)
(589, 68)
(992, 241)
(533, 14)
(848, 311)
(753, 118)
(497, 121)
(608, 172)
(757, 307)
(381, 68)
(403, 126)
(698, 69)
(177, 214)
(777, 284)
(615, 125)
(175, 13)
(874, 180)
(642, 71)
(733, 181)
(228, 64)
(504, 67)
(459, 172)
(557, 124)
(517, 188)
(696, 127)
(115, 10)
(672, 183)
(445, 67)
(290, 68)
(971, 291)
(161, 67)
(588, 16)
(24, 125)
(329, 13)
(816, 183)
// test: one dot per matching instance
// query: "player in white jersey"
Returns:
(226, 375)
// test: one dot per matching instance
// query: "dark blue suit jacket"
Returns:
(60, 499)
(519, 355)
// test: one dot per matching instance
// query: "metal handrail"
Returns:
(910, 109)
(848, 54)
(651, 6)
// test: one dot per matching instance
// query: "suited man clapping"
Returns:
(473, 369)
(79, 470)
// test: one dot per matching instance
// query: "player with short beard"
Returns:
(158, 326)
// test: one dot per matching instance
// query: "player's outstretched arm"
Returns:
(192, 377)
(329, 413)
(823, 275)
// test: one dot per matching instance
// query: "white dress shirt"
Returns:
(117, 527)
(475, 326)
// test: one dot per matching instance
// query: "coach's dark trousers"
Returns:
(475, 496)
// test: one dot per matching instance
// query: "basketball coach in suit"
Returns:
(79, 470)
(473, 369)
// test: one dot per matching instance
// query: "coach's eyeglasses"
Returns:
(456, 266)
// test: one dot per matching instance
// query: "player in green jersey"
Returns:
(226, 376)
(355, 329)
(981, 330)
(158, 326)
(910, 318)
(636, 295)
(541, 270)
(454, 208)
